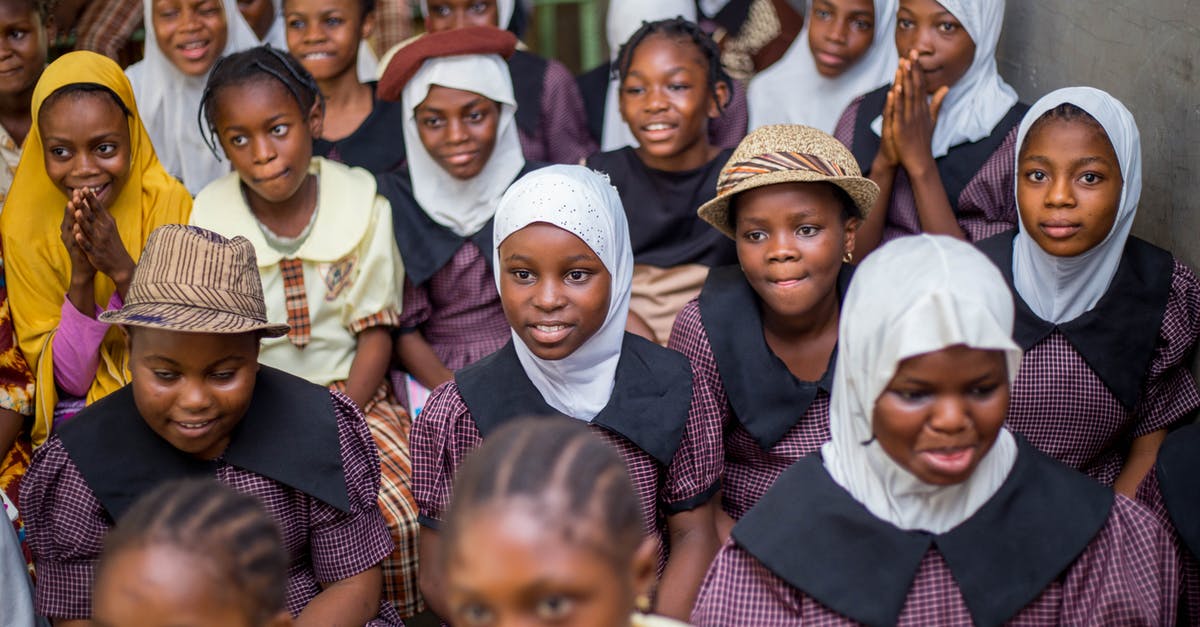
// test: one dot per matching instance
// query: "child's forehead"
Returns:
(20, 8)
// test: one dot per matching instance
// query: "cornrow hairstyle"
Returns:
(1065, 112)
(256, 64)
(678, 29)
(575, 480)
(211, 521)
(80, 90)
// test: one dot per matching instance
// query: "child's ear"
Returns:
(316, 118)
(368, 26)
(645, 566)
(50, 28)
(720, 99)
(849, 235)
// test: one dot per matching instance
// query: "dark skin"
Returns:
(23, 47)
(324, 35)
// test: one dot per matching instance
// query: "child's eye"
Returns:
(1091, 178)
(479, 8)
(168, 14)
(911, 396)
(223, 375)
(476, 116)
(678, 86)
(522, 275)
(822, 14)
(432, 122)
(1036, 176)
(18, 35)
(59, 152)
(947, 27)
(279, 130)
(440, 10)
(475, 614)
(296, 24)
(863, 25)
(578, 276)
(238, 140)
(903, 24)
(754, 236)
(553, 607)
(983, 391)
(633, 90)
(334, 21)
(106, 149)
(808, 230)
(165, 375)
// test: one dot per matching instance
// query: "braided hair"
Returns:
(262, 63)
(211, 521)
(573, 478)
(677, 29)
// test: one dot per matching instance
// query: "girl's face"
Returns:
(1068, 186)
(85, 141)
(666, 101)
(452, 14)
(945, 50)
(554, 289)
(520, 572)
(839, 33)
(23, 45)
(163, 586)
(324, 35)
(458, 129)
(190, 33)
(266, 136)
(941, 412)
(791, 239)
(259, 14)
(192, 389)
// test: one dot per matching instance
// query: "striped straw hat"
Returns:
(190, 279)
(787, 153)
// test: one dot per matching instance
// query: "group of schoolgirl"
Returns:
(782, 448)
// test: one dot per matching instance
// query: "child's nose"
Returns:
(456, 132)
(949, 415)
(782, 249)
(194, 398)
(262, 149)
(839, 32)
(1060, 193)
(548, 297)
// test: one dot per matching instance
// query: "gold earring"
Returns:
(848, 258)
(643, 603)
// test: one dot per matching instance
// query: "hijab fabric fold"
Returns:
(38, 264)
(1060, 289)
(171, 100)
(624, 19)
(583, 202)
(980, 99)
(792, 91)
(947, 293)
(464, 207)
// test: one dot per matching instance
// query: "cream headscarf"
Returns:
(915, 295)
(792, 91)
(583, 202)
(980, 99)
(1060, 289)
(624, 19)
(171, 102)
(463, 206)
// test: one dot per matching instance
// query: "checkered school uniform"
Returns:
(446, 431)
(1125, 574)
(551, 122)
(984, 201)
(67, 522)
(1172, 490)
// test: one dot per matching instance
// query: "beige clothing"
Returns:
(10, 152)
(660, 293)
(654, 620)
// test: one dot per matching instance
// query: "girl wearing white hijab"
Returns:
(943, 157)
(636, 395)
(923, 508)
(1102, 315)
(792, 91)
(169, 97)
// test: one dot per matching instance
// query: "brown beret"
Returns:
(460, 41)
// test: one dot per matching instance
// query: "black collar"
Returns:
(528, 73)
(812, 534)
(649, 405)
(425, 245)
(766, 398)
(1178, 466)
(956, 168)
(1117, 338)
(289, 434)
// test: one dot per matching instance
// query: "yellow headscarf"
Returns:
(37, 263)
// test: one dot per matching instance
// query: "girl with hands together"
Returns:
(94, 244)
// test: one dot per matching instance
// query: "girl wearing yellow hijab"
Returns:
(86, 195)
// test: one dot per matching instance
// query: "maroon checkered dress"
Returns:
(458, 309)
(562, 135)
(987, 205)
(749, 470)
(67, 524)
(1125, 576)
(1063, 408)
(444, 433)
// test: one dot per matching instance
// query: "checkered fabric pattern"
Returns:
(1126, 576)
(444, 433)
(987, 205)
(106, 27)
(1065, 410)
(299, 323)
(728, 130)
(749, 470)
(1150, 495)
(458, 310)
(562, 135)
(66, 524)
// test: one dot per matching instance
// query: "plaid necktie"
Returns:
(297, 302)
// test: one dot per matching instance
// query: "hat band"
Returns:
(200, 297)
(775, 162)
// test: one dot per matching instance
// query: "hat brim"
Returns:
(863, 191)
(190, 319)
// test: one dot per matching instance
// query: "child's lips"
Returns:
(1059, 229)
(830, 59)
(550, 332)
(461, 158)
(658, 131)
(949, 461)
(193, 50)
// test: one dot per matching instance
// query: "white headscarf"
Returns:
(916, 295)
(792, 91)
(980, 99)
(170, 103)
(624, 19)
(504, 11)
(1060, 289)
(368, 65)
(463, 206)
(583, 202)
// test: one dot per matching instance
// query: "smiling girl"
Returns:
(939, 141)
(184, 40)
(563, 268)
(923, 509)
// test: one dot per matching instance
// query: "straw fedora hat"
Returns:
(787, 153)
(193, 280)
